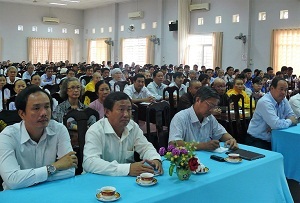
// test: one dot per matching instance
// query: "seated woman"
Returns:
(102, 90)
(19, 85)
(116, 75)
(6, 92)
(91, 86)
(71, 91)
(238, 88)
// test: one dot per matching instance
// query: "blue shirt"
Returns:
(269, 115)
(248, 84)
(156, 90)
(186, 126)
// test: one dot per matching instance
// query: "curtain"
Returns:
(88, 51)
(150, 47)
(42, 49)
(285, 48)
(108, 49)
(183, 29)
(217, 46)
(121, 49)
(0, 49)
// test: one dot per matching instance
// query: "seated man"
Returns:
(48, 78)
(110, 143)
(157, 86)
(273, 111)
(187, 99)
(178, 82)
(37, 149)
(220, 86)
(295, 104)
(196, 124)
(137, 91)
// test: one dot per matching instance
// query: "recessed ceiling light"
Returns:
(58, 4)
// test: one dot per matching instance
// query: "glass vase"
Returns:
(183, 174)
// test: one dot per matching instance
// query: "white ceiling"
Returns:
(83, 4)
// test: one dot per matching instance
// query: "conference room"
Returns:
(237, 33)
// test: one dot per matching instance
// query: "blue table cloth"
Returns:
(287, 142)
(256, 181)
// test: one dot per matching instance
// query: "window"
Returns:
(200, 21)
(218, 19)
(262, 16)
(134, 50)
(122, 28)
(42, 49)
(236, 18)
(98, 51)
(20, 27)
(200, 50)
(154, 25)
(34, 29)
(284, 14)
(286, 49)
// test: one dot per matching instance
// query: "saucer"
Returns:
(100, 197)
(234, 161)
(139, 182)
(206, 170)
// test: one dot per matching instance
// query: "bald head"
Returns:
(219, 85)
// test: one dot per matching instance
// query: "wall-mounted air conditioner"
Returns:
(136, 15)
(50, 20)
(203, 7)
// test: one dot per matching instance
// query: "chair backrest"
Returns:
(121, 85)
(147, 81)
(57, 97)
(173, 103)
(135, 113)
(237, 124)
(86, 78)
(52, 88)
(186, 80)
(91, 95)
(10, 100)
(10, 116)
(81, 116)
(108, 79)
(169, 76)
(162, 122)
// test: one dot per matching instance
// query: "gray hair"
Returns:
(64, 87)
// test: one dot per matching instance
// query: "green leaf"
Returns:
(171, 169)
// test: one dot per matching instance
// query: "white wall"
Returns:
(14, 42)
(258, 33)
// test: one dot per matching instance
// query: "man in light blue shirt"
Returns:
(30, 71)
(178, 82)
(196, 124)
(157, 87)
(37, 149)
(48, 78)
(273, 111)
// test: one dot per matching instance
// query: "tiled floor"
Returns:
(295, 190)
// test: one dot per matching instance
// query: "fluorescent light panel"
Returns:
(58, 4)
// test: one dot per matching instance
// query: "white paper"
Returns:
(221, 150)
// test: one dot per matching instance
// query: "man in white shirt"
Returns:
(30, 71)
(295, 104)
(137, 91)
(178, 82)
(157, 86)
(48, 78)
(111, 142)
(37, 149)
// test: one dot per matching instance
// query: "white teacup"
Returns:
(234, 156)
(108, 192)
(146, 178)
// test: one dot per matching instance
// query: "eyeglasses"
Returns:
(211, 106)
(74, 88)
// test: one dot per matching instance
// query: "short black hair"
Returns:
(256, 80)
(203, 77)
(283, 68)
(97, 85)
(138, 76)
(22, 98)
(206, 92)
(177, 74)
(275, 81)
(113, 97)
(247, 70)
(104, 69)
(155, 73)
(269, 68)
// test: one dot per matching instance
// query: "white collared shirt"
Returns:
(133, 94)
(295, 104)
(106, 153)
(23, 161)
(182, 89)
(157, 91)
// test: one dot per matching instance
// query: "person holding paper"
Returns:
(196, 124)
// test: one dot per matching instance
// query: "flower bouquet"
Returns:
(181, 157)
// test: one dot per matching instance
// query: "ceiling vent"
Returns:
(136, 15)
(202, 7)
(50, 20)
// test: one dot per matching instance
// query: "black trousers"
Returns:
(256, 142)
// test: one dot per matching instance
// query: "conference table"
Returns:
(287, 141)
(260, 180)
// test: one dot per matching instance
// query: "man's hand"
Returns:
(68, 161)
(156, 165)
(212, 145)
(139, 167)
(294, 120)
(231, 143)
(150, 99)
(216, 111)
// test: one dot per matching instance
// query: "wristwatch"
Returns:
(51, 169)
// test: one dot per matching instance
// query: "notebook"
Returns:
(245, 154)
